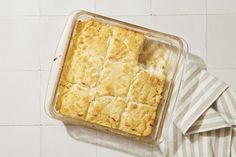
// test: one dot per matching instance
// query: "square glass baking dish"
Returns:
(175, 50)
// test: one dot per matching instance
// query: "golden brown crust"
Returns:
(94, 40)
(73, 100)
(125, 45)
(86, 53)
(106, 111)
(146, 88)
(83, 69)
(138, 119)
(102, 74)
(116, 79)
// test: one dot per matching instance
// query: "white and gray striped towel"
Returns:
(204, 119)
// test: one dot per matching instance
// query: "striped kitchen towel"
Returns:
(202, 123)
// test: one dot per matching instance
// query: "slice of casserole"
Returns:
(138, 119)
(86, 53)
(146, 88)
(73, 100)
(116, 78)
(106, 111)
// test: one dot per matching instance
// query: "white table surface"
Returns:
(30, 30)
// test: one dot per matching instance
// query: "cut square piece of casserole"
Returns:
(138, 119)
(116, 78)
(87, 52)
(73, 100)
(146, 88)
(124, 45)
(105, 82)
(106, 111)
(83, 69)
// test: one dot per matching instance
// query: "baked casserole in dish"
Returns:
(114, 76)
(106, 81)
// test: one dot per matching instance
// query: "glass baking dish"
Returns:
(174, 48)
